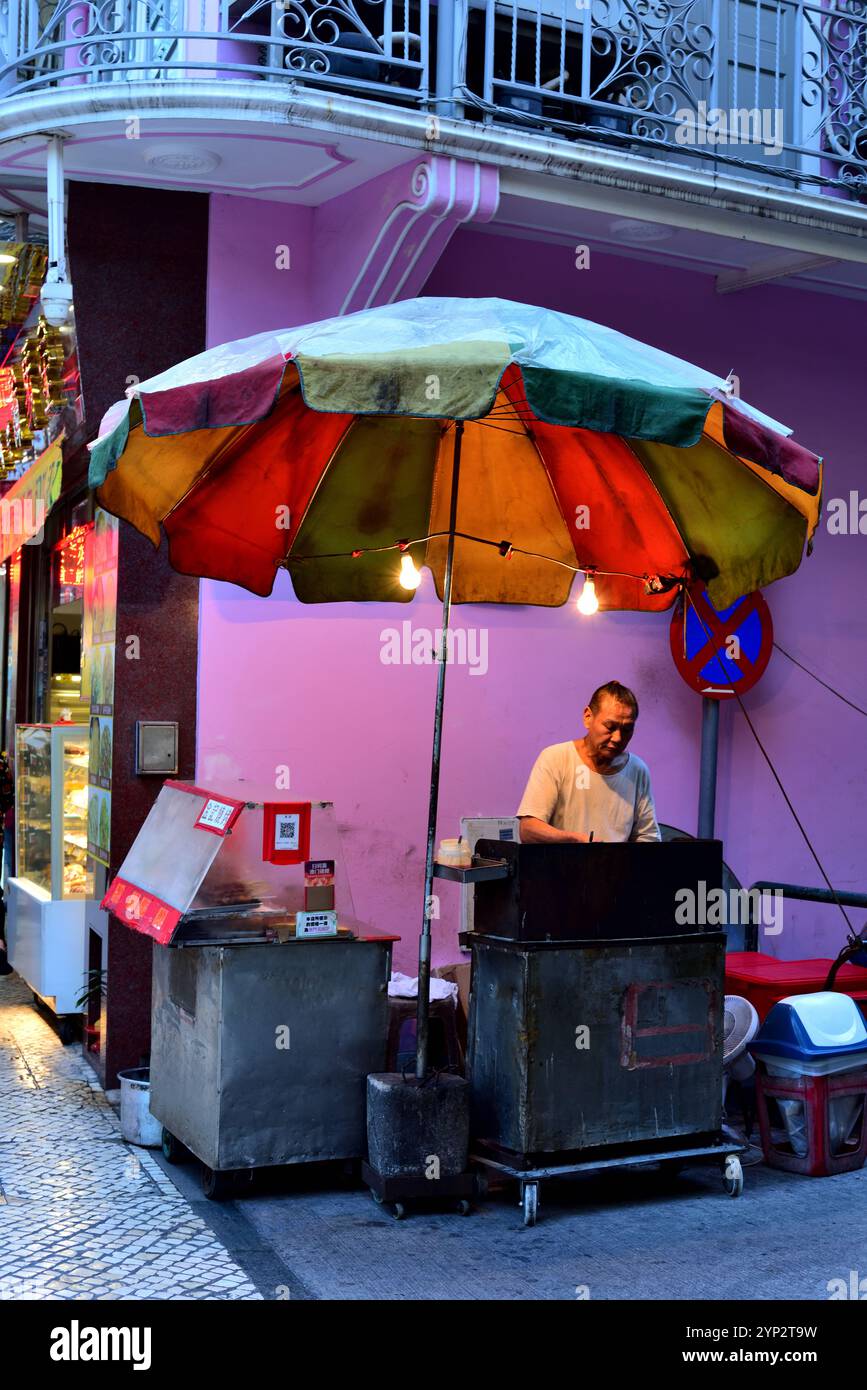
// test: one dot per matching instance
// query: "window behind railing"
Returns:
(777, 88)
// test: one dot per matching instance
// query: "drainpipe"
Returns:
(452, 20)
(57, 291)
(707, 773)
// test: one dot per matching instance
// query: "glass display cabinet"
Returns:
(45, 927)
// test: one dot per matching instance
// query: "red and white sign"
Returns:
(218, 814)
(215, 815)
(286, 832)
(721, 654)
(142, 911)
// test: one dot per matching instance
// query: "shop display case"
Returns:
(45, 927)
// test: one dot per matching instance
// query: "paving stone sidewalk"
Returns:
(83, 1215)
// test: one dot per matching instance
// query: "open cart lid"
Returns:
(207, 868)
(170, 857)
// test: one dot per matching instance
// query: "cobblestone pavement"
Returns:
(83, 1215)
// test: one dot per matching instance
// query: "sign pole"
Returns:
(707, 771)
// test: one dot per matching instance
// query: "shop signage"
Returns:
(146, 913)
(217, 816)
(721, 654)
(25, 506)
(315, 923)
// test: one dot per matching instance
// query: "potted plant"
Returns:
(89, 1002)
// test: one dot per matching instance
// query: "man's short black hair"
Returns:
(617, 692)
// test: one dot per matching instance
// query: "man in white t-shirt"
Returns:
(591, 788)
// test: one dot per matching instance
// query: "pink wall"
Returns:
(283, 683)
(247, 293)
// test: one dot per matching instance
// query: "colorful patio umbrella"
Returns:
(504, 446)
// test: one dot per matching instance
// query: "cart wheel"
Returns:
(376, 1197)
(216, 1183)
(398, 1211)
(173, 1150)
(464, 1207)
(530, 1202)
(733, 1176)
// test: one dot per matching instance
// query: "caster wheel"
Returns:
(733, 1176)
(216, 1185)
(464, 1207)
(173, 1150)
(399, 1211)
(530, 1202)
(376, 1197)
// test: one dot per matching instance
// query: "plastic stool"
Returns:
(444, 1045)
(824, 1103)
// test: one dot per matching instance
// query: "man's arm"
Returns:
(538, 832)
(644, 826)
(538, 805)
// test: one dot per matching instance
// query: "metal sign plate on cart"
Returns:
(721, 653)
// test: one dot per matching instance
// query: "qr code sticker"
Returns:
(286, 832)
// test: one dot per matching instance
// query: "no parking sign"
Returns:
(721, 654)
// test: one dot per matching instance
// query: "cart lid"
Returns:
(170, 857)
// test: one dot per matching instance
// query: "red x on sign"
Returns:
(721, 654)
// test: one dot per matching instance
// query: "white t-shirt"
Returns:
(569, 795)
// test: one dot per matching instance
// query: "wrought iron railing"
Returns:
(776, 89)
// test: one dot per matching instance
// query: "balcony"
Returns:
(768, 90)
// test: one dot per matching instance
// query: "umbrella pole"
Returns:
(424, 945)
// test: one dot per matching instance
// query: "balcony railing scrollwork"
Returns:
(773, 89)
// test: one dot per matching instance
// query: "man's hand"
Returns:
(538, 832)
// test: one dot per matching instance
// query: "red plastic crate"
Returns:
(816, 1094)
(764, 980)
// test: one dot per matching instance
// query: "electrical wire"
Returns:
(770, 764)
(505, 547)
(806, 669)
(514, 116)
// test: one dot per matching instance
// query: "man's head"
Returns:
(610, 721)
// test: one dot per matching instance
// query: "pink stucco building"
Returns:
(700, 184)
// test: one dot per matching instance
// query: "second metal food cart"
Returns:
(261, 1041)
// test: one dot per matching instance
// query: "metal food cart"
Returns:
(261, 1040)
(595, 1027)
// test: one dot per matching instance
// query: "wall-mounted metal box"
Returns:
(156, 746)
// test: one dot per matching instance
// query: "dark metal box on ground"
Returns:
(648, 1068)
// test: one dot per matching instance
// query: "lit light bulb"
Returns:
(409, 575)
(588, 602)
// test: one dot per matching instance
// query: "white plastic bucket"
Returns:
(137, 1124)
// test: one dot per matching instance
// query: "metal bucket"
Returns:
(137, 1124)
